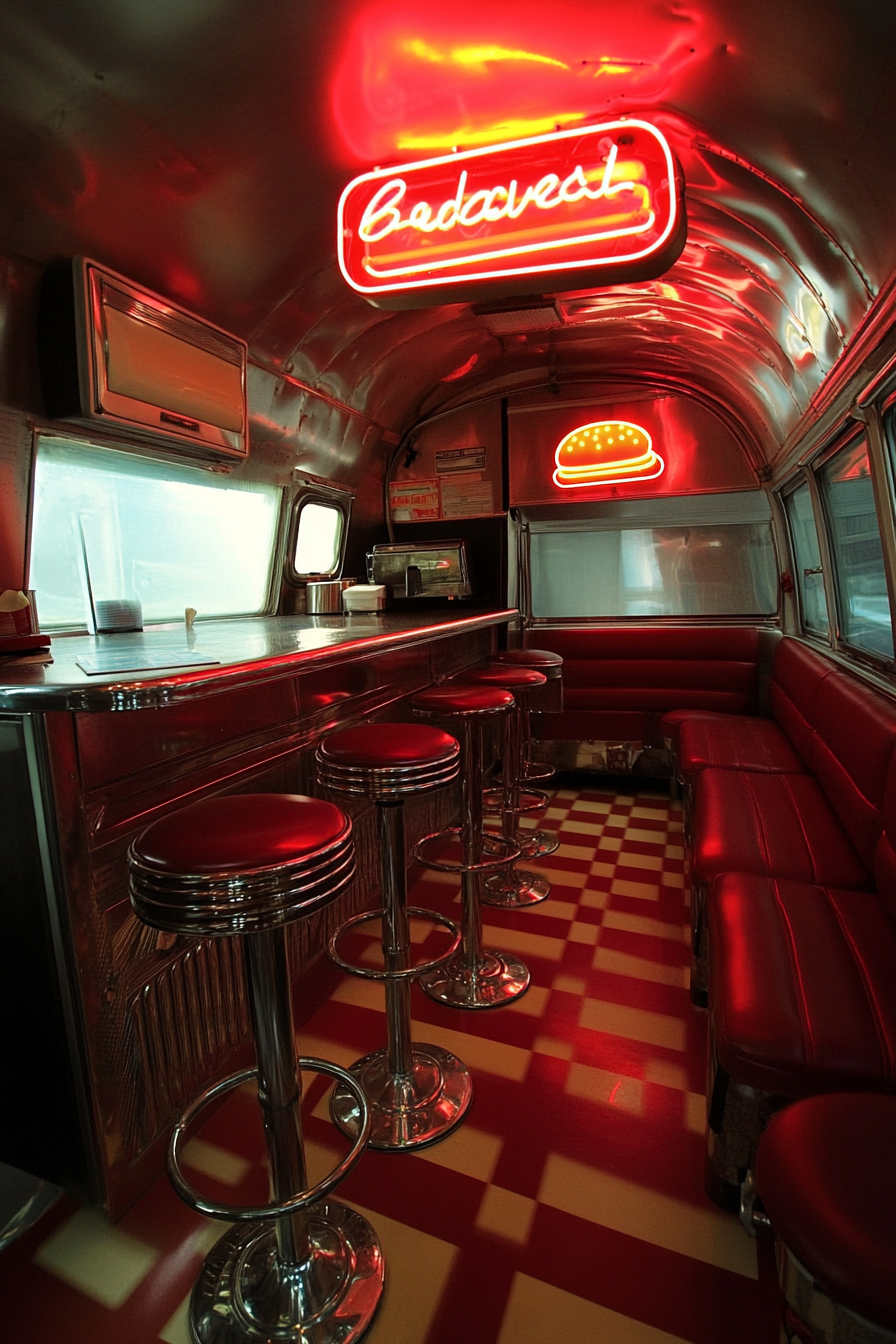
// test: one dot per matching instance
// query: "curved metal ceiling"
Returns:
(200, 147)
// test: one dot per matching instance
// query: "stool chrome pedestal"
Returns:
(536, 844)
(416, 1093)
(512, 887)
(474, 977)
(303, 1267)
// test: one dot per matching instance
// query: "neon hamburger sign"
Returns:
(597, 205)
(606, 452)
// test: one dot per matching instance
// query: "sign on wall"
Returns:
(606, 452)
(599, 205)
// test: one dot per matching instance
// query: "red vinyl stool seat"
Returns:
(826, 1173)
(474, 977)
(416, 1093)
(550, 665)
(514, 887)
(249, 864)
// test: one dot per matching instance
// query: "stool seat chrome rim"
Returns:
(409, 972)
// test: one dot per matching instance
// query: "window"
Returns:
(862, 601)
(658, 571)
(320, 526)
(807, 559)
(169, 535)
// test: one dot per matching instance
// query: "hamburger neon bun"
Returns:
(605, 452)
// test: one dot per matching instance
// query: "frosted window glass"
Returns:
(318, 539)
(169, 535)
(660, 571)
(862, 601)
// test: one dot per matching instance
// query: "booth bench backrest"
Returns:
(844, 731)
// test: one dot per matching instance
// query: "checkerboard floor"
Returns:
(568, 1205)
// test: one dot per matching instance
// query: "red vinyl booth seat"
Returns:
(826, 1173)
(802, 986)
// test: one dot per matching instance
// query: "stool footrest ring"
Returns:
(410, 972)
(498, 849)
(530, 800)
(301, 1200)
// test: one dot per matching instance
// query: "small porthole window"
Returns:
(319, 533)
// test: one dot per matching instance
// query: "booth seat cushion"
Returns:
(802, 989)
(734, 742)
(827, 1176)
(772, 826)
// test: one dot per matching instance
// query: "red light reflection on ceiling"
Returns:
(415, 82)
(606, 452)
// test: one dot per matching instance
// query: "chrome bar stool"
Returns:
(512, 887)
(416, 1093)
(474, 977)
(551, 667)
(303, 1266)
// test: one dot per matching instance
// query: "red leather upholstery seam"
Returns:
(808, 1040)
(796, 813)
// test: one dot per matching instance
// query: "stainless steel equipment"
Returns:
(326, 596)
(421, 569)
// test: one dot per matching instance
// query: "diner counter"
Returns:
(160, 666)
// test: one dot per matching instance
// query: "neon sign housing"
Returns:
(606, 452)
(599, 205)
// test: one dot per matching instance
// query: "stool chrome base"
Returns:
(494, 980)
(410, 1111)
(243, 1296)
(515, 888)
(536, 844)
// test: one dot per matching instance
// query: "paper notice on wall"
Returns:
(414, 501)
(460, 459)
(467, 496)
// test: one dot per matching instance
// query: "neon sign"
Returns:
(608, 452)
(601, 204)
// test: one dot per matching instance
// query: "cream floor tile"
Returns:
(674, 852)
(651, 813)
(570, 984)
(651, 928)
(695, 1112)
(537, 1312)
(666, 1074)
(228, 1168)
(612, 844)
(550, 1045)
(551, 908)
(584, 933)
(586, 805)
(477, 1052)
(581, 827)
(530, 1004)
(558, 877)
(564, 851)
(336, 1052)
(595, 900)
(551, 814)
(506, 1214)
(515, 940)
(645, 837)
(176, 1329)
(418, 1267)
(638, 1211)
(673, 879)
(99, 1260)
(641, 891)
(603, 869)
(360, 993)
(634, 1024)
(470, 1151)
(640, 968)
(605, 1087)
(630, 859)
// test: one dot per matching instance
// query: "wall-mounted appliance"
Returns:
(114, 354)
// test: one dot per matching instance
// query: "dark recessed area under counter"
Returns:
(135, 1022)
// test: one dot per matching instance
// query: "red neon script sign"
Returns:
(596, 205)
(607, 452)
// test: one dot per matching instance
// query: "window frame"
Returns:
(314, 492)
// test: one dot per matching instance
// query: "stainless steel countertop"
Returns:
(248, 651)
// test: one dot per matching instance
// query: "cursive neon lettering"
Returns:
(382, 216)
